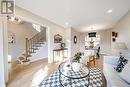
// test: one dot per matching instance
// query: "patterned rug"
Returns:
(94, 80)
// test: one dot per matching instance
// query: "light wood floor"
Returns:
(31, 75)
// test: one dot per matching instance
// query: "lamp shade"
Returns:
(120, 46)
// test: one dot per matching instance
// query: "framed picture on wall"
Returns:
(11, 39)
(57, 38)
(116, 34)
(114, 39)
(113, 34)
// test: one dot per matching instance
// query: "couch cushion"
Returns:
(125, 74)
(122, 62)
(113, 77)
(111, 60)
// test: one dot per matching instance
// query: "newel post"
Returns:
(26, 49)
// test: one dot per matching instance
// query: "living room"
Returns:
(87, 37)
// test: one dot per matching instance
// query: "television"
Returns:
(92, 34)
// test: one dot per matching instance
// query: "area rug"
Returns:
(94, 80)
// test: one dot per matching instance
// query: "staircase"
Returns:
(32, 45)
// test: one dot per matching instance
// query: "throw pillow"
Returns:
(121, 63)
(125, 74)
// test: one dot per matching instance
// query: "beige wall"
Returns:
(21, 31)
(123, 29)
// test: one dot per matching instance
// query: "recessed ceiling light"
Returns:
(110, 11)
(66, 23)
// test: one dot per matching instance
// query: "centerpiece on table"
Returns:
(76, 65)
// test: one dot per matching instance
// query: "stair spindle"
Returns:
(26, 49)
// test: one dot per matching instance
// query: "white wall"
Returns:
(123, 29)
(75, 47)
(69, 39)
(53, 30)
(82, 42)
(2, 80)
(5, 46)
(105, 41)
(21, 31)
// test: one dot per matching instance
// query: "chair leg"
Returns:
(98, 56)
(88, 63)
(94, 62)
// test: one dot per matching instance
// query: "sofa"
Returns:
(113, 77)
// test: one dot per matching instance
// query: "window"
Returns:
(37, 27)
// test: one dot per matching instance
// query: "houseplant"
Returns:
(77, 56)
(76, 65)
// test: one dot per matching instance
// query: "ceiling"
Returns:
(82, 15)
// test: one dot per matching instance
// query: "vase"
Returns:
(76, 66)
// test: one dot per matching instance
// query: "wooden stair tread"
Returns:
(37, 46)
(31, 52)
(27, 56)
(39, 43)
(34, 48)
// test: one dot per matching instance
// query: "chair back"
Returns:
(98, 50)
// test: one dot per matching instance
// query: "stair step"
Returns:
(23, 61)
(26, 61)
(42, 40)
(36, 44)
(27, 56)
(21, 58)
(34, 48)
(31, 52)
(39, 43)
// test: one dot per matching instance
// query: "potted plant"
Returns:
(77, 56)
(76, 65)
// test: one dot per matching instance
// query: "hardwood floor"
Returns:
(31, 75)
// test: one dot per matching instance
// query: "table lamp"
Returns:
(121, 46)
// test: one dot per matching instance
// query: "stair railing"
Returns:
(31, 43)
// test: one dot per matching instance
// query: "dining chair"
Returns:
(98, 53)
